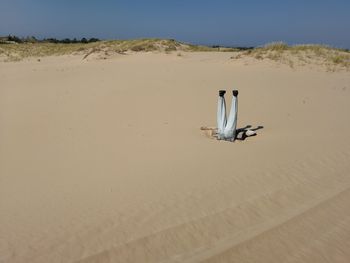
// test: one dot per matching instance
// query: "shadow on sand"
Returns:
(241, 133)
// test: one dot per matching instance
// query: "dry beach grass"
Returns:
(332, 58)
(18, 52)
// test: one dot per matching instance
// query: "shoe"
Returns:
(222, 93)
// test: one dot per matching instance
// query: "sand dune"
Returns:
(105, 161)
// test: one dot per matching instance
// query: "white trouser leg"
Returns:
(221, 117)
(230, 129)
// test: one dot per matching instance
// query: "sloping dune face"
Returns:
(104, 161)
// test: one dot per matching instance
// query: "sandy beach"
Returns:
(103, 160)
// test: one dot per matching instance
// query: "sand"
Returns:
(105, 161)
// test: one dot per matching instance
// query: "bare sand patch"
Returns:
(104, 161)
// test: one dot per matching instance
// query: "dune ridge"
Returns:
(333, 59)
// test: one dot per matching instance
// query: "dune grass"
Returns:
(17, 52)
(332, 58)
(280, 52)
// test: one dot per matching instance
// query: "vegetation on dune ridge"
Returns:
(332, 58)
(280, 52)
(15, 51)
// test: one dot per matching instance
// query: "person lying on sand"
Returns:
(227, 128)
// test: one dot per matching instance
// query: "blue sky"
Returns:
(224, 22)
